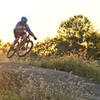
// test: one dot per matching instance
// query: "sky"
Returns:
(44, 16)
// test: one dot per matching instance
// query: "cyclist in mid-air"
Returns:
(21, 30)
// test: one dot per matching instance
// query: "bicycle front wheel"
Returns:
(25, 48)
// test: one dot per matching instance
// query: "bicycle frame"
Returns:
(21, 41)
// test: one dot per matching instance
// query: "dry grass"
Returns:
(17, 86)
(78, 66)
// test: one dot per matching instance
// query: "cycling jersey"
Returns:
(19, 25)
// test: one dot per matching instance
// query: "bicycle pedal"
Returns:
(23, 48)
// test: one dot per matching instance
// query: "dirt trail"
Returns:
(52, 77)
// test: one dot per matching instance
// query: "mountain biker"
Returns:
(21, 30)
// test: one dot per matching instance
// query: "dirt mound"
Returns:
(53, 78)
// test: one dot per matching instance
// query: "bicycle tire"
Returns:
(9, 51)
(20, 47)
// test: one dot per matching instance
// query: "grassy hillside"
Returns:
(18, 82)
(78, 66)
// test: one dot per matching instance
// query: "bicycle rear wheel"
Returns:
(25, 48)
(10, 52)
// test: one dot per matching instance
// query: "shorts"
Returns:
(18, 33)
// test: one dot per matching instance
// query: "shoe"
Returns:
(12, 47)
(23, 48)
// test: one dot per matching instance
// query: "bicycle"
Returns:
(21, 48)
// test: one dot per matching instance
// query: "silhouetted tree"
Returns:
(77, 32)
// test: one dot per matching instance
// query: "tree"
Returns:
(75, 34)
(76, 31)
(5, 47)
(45, 48)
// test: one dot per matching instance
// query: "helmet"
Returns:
(24, 19)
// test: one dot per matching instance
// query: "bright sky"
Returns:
(44, 16)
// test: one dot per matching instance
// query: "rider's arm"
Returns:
(30, 32)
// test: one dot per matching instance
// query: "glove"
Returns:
(35, 38)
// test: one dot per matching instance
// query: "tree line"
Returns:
(75, 35)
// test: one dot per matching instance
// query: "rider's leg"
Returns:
(15, 41)
(24, 35)
(16, 38)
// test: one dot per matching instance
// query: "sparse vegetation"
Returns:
(74, 64)
(25, 88)
(75, 49)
